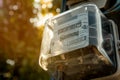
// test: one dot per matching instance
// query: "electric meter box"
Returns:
(81, 40)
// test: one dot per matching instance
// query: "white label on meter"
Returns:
(71, 35)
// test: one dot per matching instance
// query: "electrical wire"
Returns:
(63, 6)
(115, 8)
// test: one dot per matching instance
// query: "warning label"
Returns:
(71, 35)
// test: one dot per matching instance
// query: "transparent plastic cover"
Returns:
(79, 42)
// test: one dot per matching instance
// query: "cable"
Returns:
(115, 8)
(63, 6)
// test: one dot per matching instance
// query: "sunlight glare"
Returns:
(58, 10)
(49, 5)
(40, 5)
(11, 62)
(41, 19)
(44, 6)
(46, 1)
(37, 1)
(37, 5)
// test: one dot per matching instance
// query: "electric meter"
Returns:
(80, 44)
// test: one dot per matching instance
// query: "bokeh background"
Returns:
(21, 28)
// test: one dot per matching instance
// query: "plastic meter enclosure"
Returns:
(81, 44)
